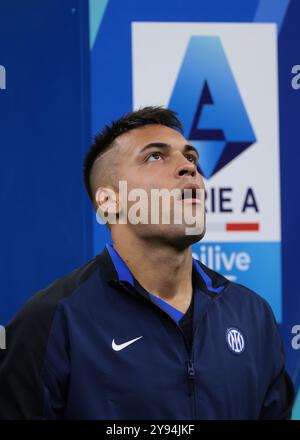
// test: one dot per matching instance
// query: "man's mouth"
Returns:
(191, 194)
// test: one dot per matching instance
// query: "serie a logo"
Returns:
(2, 78)
(212, 110)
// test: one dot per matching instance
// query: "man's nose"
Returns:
(186, 168)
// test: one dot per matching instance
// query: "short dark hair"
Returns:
(135, 119)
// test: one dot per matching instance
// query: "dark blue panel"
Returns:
(44, 130)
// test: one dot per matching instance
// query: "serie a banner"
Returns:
(220, 73)
(221, 78)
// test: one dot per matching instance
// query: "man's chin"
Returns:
(184, 235)
(197, 231)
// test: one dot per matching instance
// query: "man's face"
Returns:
(158, 157)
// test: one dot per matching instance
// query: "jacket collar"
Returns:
(115, 269)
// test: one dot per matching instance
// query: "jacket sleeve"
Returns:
(280, 394)
(34, 365)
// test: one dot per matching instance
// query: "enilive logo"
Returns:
(2, 78)
(228, 263)
(210, 106)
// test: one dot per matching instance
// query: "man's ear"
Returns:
(107, 201)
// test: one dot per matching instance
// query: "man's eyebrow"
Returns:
(162, 145)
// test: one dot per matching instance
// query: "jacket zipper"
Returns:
(191, 372)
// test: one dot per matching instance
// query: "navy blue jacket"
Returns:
(65, 359)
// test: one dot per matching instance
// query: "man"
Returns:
(144, 331)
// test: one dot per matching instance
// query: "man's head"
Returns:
(147, 150)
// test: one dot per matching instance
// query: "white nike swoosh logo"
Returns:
(118, 347)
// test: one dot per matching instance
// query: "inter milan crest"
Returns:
(235, 340)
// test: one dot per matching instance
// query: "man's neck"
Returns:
(161, 269)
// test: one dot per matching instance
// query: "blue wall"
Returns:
(44, 117)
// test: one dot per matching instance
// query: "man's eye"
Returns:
(192, 158)
(155, 155)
